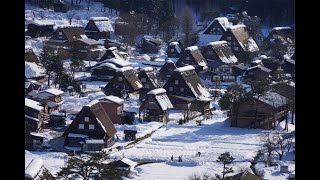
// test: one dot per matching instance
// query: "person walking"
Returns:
(199, 154)
(172, 158)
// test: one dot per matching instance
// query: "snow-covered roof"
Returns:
(41, 23)
(174, 43)
(33, 70)
(102, 23)
(32, 118)
(263, 56)
(33, 168)
(89, 41)
(27, 84)
(260, 67)
(33, 104)
(110, 65)
(192, 48)
(185, 68)
(273, 99)
(57, 113)
(75, 135)
(94, 141)
(217, 43)
(147, 69)
(53, 91)
(83, 36)
(223, 51)
(99, 18)
(119, 61)
(252, 45)
(157, 91)
(92, 103)
(96, 95)
(125, 69)
(115, 99)
(129, 162)
(163, 101)
(112, 48)
(236, 26)
(169, 61)
(280, 28)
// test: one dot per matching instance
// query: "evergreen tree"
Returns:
(76, 61)
(87, 167)
(225, 159)
(48, 60)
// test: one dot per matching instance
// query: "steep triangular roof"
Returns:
(161, 98)
(244, 39)
(101, 117)
(194, 83)
(223, 51)
(152, 76)
(71, 32)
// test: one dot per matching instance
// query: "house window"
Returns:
(81, 126)
(109, 57)
(227, 70)
(176, 82)
(86, 119)
(229, 38)
(91, 126)
(60, 37)
(119, 78)
(143, 79)
(188, 58)
(236, 48)
(170, 88)
(35, 142)
(181, 89)
(172, 50)
(60, 33)
(146, 86)
(229, 43)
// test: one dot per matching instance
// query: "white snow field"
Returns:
(211, 139)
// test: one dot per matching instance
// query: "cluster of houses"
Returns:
(176, 85)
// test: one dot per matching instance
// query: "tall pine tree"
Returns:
(48, 59)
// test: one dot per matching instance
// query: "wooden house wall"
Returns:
(114, 87)
(176, 88)
(102, 74)
(96, 133)
(233, 44)
(256, 74)
(218, 29)
(36, 31)
(174, 53)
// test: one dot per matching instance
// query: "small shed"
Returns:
(150, 44)
(39, 29)
(60, 6)
(127, 117)
(130, 135)
(156, 106)
(57, 119)
(35, 169)
(174, 50)
(123, 166)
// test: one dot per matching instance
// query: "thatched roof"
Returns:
(71, 32)
(197, 55)
(152, 77)
(101, 116)
(283, 34)
(242, 36)
(161, 98)
(194, 83)
(30, 56)
(132, 78)
(223, 51)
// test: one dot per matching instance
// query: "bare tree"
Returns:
(71, 15)
(289, 140)
(280, 144)
(186, 24)
(268, 146)
(89, 3)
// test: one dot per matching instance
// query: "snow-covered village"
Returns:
(160, 89)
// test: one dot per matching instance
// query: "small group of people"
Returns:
(179, 158)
